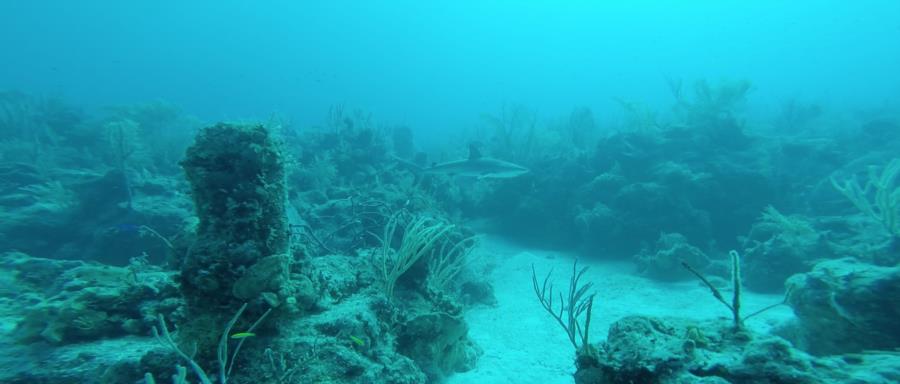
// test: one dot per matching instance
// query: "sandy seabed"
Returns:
(522, 344)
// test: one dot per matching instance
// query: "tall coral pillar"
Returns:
(237, 179)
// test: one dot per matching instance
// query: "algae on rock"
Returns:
(237, 178)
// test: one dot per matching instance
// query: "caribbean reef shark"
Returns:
(475, 166)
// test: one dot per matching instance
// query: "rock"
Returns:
(780, 246)
(237, 179)
(642, 349)
(267, 274)
(665, 262)
(437, 342)
(847, 306)
(93, 362)
(63, 302)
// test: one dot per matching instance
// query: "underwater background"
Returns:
(449, 192)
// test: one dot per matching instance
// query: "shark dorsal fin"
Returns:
(474, 153)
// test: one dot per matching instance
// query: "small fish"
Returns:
(358, 341)
(242, 335)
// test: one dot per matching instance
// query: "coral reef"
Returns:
(64, 302)
(325, 254)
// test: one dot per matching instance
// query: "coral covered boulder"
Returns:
(847, 306)
(237, 181)
(64, 302)
(642, 349)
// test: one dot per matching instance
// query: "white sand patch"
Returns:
(523, 344)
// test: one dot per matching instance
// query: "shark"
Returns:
(477, 166)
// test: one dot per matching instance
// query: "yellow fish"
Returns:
(242, 335)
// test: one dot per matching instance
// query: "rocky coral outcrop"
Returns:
(846, 306)
(643, 349)
(237, 179)
(62, 302)
(664, 262)
(779, 246)
(88, 215)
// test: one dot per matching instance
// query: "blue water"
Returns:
(437, 65)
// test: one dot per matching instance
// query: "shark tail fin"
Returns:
(408, 164)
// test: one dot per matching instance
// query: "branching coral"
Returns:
(735, 305)
(450, 260)
(226, 363)
(418, 238)
(879, 198)
(577, 304)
